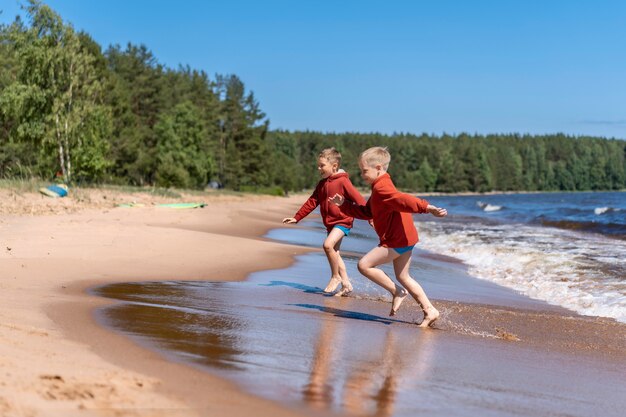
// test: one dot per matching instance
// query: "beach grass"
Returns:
(22, 185)
(80, 192)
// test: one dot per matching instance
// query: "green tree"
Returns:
(445, 176)
(616, 173)
(506, 166)
(243, 155)
(478, 170)
(426, 177)
(597, 171)
(56, 100)
(16, 157)
(285, 169)
(184, 158)
(136, 85)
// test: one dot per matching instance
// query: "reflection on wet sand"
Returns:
(372, 389)
(318, 393)
(372, 378)
(374, 382)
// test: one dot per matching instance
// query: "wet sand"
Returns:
(278, 336)
(338, 355)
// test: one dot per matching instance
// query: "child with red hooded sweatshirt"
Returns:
(334, 181)
(391, 211)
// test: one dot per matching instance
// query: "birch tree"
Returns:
(56, 102)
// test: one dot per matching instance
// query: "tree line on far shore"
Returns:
(463, 162)
(118, 116)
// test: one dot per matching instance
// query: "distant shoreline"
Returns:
(475, 193)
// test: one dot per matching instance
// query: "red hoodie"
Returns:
(338, 183)
(391, 211)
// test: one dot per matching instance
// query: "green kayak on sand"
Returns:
(182, 205)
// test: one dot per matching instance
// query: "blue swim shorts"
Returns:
(344, 229)
(404, 249)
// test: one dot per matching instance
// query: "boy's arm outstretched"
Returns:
(357, 211)
(408, 203)
(309, 205)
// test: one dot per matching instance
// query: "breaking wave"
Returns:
(581, 272)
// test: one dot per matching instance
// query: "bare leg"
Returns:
(346, 286)
(401, 269)
(367, 266)
(398, 298)
(334, 260)
(318, 392)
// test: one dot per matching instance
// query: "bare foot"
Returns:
(431, 314)
(398, 298)
(344, 291)
(332, 284)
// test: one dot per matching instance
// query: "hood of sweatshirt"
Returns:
(339, 174)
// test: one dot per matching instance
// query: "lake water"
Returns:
(568, 249)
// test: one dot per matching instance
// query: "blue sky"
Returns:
(391, 66)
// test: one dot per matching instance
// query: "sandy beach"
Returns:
(55, 359)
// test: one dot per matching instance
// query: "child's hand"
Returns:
(437, 211)
(289, 220)
(371, 222)
(337, 199)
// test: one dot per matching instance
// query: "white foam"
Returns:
(581, 273)
(488, 207)
(600, 210)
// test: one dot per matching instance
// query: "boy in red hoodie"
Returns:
(391, 211)
(334, 181)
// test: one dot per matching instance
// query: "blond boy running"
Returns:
(338, 225)
(391, 211)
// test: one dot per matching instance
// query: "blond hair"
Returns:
(332, 155)
(376, 155)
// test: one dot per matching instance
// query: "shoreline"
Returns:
(250, 342)
(48, 320)
(61, 360)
